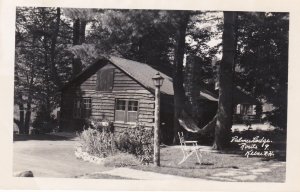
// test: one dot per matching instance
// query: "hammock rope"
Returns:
(188, 123)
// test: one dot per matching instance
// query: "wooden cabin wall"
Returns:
(103, 102)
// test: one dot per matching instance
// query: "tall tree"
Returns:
(225, 106)
(179, 51)
(80, 18)
(262, 60)
(261, 65)
(40, 59)
(54, 37)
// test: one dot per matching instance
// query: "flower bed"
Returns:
(87, 157)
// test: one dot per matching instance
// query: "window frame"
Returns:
(126, 116)
(245, 109)
(85, 108)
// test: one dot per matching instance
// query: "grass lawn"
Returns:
(218, 166)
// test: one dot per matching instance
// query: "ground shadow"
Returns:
(41, 137)
(198, 166)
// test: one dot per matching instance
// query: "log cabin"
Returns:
(122, 91)
(118, 90)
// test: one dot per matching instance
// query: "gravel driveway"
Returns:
(50, 157)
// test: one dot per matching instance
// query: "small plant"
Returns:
(94, 142)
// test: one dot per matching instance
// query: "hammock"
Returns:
(188, 123)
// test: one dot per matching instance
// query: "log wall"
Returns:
(103, 102)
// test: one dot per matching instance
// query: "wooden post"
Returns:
(156, 127)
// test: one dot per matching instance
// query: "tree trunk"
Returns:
(21, 112)
(21, 121)
(29, 102)
(179, 93)
(27, 117)
(78, 39)
(54, 73)
(82, 31)
(225, 107)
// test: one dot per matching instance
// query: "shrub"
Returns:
(97, 143)
(121, 160)
(137, 141)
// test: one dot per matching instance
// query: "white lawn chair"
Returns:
(188, 148)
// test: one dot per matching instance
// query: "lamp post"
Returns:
(158, 81)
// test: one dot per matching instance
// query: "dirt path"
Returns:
(51, 158)
(249, 173)
(145, 175)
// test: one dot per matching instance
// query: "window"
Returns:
(126, 110)
(82, 108)
(245, 109)
(105, 79)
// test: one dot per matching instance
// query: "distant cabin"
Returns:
(204, 100)
(247, 109)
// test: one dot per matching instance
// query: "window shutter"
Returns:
(105, 79)
(98, 81)
(110, 79)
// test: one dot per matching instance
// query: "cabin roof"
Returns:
(143, 73)
(239, 96)
(140, 72)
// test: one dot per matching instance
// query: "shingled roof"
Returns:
(238, 96)
(140, 72)
(143, 73)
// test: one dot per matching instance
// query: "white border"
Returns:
(7, 21)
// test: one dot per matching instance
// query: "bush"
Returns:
(97, 143)
(137, 141)
(121, 160)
